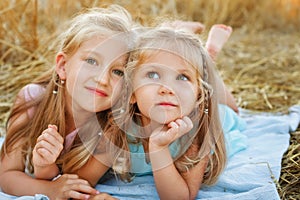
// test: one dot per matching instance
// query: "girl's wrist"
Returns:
(153, 147)
(160, 158)
(44, 166)
(47, 172)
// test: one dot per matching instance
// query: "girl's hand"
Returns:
(48, 147)
(71, 186)
(161, 138)
(102, 196)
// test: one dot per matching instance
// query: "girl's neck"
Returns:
(70, 124)
(150, 126)
(74, 121)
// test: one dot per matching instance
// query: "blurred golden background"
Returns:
(260, 63)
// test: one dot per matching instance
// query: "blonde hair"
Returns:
(208, 139)
(51, 109)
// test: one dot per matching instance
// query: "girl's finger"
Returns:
(53, 131)
(69, 176)
(182, 125)
(48, 151)
(102, 196)
(74, 179)
(53, 127)
(173, 125)
(76, 195)
(48, 138)
(185, 124)
(46, 154)
(188, 121)
(83, 188)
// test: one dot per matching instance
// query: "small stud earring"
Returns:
(206, 110)
(62, 82)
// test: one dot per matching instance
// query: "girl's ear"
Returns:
(60, 65)
(132, 99)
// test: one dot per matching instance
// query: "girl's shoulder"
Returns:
(31, 91)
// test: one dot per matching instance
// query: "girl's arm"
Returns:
(14, 181)
(170, 183)
(224, 95)
(47, 173)
(94, 169)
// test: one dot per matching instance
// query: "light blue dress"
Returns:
(235, 141)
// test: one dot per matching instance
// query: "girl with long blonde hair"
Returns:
(172, 113)
(71, 100)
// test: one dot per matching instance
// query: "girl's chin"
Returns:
(159, 120)
(165, 122)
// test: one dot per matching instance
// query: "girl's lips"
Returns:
(167, 104)
(98, 92)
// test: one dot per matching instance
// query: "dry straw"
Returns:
(260, 63)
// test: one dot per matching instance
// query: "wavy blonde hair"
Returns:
(51, 109)
(207, 138)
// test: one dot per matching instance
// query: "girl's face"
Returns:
(93, 74)
(165, 88)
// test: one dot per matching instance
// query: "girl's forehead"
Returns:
(104, 47)
(105, 42)
(166, 58)
(162, 56)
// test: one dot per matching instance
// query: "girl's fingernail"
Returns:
(175, 125)
(52, 126)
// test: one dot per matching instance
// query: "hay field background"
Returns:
(260, 63)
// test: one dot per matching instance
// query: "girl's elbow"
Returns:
(192, 197)
(184, 195)
(193, 194)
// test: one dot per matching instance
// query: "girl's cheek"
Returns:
(119, 83)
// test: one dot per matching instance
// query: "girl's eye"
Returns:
(153, 75)
(182, 77)
(91, 61)
(118, 72)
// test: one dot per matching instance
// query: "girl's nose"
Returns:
(102, 78)
(165, 90)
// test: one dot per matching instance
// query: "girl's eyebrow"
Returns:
(95, 53)
(148, 66)
(186, 71)
(157, 66)
(160, 66)
(119, 62)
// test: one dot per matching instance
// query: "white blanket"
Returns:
(248, 174)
